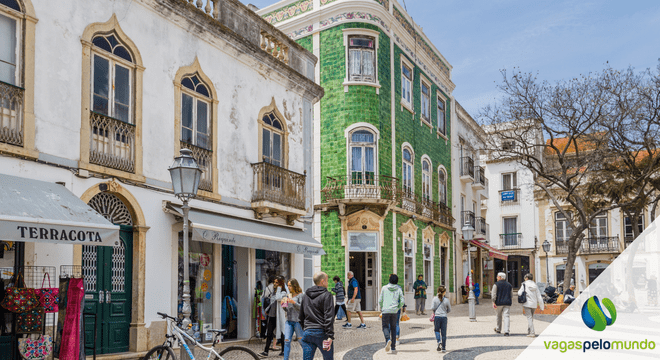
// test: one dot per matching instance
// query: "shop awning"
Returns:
(38, 211)
(492, 252)
(231, 230)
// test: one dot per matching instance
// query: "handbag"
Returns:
(523, 298)
(30, 322)
(405, 317)
(35, 349)
(432, 319)
(48, 297)
(18, 298)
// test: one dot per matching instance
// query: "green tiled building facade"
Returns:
(379, 213)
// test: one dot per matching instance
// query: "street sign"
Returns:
(508, 195)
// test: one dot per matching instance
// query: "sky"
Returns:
(557, 39)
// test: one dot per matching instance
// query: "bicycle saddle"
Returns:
(218, 331)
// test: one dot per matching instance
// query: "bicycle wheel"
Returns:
(160, 352)
(238, 353)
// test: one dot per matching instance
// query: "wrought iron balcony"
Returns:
(511, 241)
(480, 180)
(604, 244)
(629, 240)
(112, 143)
(482, 227)
(561, 247)
(11, 114)
(467, 217)
(466, 169)
(277, 190)
(365, 188)
(204, 159)
(510, 197)
(426, 208)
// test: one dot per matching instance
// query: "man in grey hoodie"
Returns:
(390, 301)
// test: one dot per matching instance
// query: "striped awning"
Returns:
(492, 252)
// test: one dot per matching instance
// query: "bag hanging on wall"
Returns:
(48, 297)
(18, 298)
(30, 322)
(35, 349)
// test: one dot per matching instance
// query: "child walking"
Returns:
(441, 307)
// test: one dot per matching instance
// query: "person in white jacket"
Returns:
(534, 299)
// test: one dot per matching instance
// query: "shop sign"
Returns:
(58, 233)
(365, 242)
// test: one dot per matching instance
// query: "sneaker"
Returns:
(506, 334)
(497, 331)
(444, 350)
(264, 354)
(439, 347)
(362, 326)
(347, 325)
(388, 346)
(531, 335)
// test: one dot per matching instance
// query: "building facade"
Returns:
(100, 97)
(383, 143)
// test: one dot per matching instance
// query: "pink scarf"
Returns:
(70, 349)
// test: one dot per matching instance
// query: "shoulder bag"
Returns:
(30, 322)
(18, 298)
(523, 298)
(35, 349)
(48, 297)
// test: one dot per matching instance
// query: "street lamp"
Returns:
(546, 247)
(468, 231)
(185, 180)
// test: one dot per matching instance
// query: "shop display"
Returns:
(31, 321)
(35, 349)
(18, 298)
(70, 348)
(48, 297)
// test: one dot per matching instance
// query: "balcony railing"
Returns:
(112, 143)
(11, 114)
(437, 212)
(604, 244)
(278, 185)
(371, 187)
(480, 179)
(467, 217)
(561, 247)
(509, 197)
(511, 241)
(482, 227)
(204, 159)
(629, 240)
(467, 167)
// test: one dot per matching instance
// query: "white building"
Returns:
(100, 96)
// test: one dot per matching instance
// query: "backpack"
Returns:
(523, 298)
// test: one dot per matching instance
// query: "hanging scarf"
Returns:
(70, 347)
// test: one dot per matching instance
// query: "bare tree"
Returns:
(591, 142)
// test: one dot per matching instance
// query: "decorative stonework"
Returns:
(409, 229)
(326, 2)
(421, 64)
(428, 235)
(301, 32)
(289, 11)
(363, 220)
(355, 15)
(112, 208)
(385, 3)
(444, 240)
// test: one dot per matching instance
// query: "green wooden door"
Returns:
(108, 294)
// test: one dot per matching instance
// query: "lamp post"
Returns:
(468, 231)
(546, 247)
(185, 175)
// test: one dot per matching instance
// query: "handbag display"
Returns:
(48, 297)
(18, 298)
(35, 349)
(523, 298)
(30, 322)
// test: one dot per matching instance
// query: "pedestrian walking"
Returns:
(274, 292)
(291, 305)
(354, 303)
(317, 319)
(340, 296)
(441, 307)
(390, 301)
(420, 295)
(533, 299)
(477, 292)
(502, 303)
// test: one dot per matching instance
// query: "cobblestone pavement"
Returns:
(466, 340)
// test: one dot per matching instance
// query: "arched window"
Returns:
(363, 157)
(112, 78)
(195, 112)
(442, 186)
(11, 92)
(272, 139)
(408, 179)
(426, 179)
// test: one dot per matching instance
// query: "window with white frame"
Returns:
(406, 83)
(9, 40)
(195, 112)
(598, 229)
(426, 179)
(426, 102)
(428, 263)
(11, 93)
(363, 157)
(510, 226)
(408, 179)
(442, 121)
(509, 181)
(442, 186)
(409, 263)
(272, 140)
(562, 229)
(112, 74)
(628, 227)
(361, 59)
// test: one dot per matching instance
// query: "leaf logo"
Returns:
(594, 316)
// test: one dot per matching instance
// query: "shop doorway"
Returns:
(363, 266)
(595, 270)
(517, 267)
(108, 274)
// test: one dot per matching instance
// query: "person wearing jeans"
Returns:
(390, 301)
(534, 299)
(317, 318)
(441, 306)
(291, 305)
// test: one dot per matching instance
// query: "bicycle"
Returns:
(175, 332)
